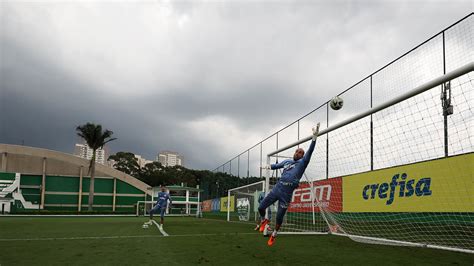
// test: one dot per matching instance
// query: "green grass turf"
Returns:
(192, 241)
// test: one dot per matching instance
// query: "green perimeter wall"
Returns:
(62, 193)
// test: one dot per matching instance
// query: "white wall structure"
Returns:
(170, 158)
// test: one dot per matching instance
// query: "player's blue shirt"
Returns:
(163, 198)
(293, 170)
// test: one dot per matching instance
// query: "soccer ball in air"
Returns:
(336, 103)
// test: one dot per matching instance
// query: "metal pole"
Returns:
(43, 184)
(445, 113)
(198, 211)
(228, 205)
(276, 174)
(312, 201)
(371, 129)
(261, 158)
(114, 195)
(267, 183)
(238, 166)
(79, 203)
(327, 142)
(248, 165)
(298, 131)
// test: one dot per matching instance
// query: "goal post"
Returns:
(245, 199)
(412, 193)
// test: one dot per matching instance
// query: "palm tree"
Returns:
(95, 139)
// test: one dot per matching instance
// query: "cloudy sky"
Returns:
(206, 79)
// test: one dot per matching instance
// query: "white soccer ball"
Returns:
(145, 226)
(336, 103)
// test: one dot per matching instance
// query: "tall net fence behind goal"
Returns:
(414, 191)
(395, 164)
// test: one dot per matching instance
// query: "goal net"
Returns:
(242, 202)
(400, 173)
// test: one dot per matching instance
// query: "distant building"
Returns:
(142, 161)
(170, 158)
(83, 151)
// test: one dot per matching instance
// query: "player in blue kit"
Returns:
(293, 170)
(161, 204)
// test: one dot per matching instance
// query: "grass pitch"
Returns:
(192, 241)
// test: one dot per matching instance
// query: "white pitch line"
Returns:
(117, 237)
(160, 228)
(225, 221)
(73, 238)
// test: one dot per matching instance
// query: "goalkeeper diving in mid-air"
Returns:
(293, 170)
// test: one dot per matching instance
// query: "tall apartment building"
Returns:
(170, 158)
(142, 161)
(83, 151)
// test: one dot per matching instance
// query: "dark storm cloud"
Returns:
(205, 79)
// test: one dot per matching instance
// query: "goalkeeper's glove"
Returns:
(315, 132)
(267, 167)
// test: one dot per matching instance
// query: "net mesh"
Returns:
(420, 137)
(412, 193)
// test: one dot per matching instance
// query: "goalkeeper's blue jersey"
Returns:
(293, 170)
(163, 198)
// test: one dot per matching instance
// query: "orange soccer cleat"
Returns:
(271, 240)
(262, 224)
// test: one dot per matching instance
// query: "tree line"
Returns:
(155, 174)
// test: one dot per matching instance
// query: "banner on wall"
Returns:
(216, 205)
(243, 209)
(206, 205)
(443, 185)
(325, 193)
(224, 204)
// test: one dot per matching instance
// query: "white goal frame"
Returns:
(418, 90)
(237, 188)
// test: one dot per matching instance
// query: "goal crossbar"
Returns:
(249, 185)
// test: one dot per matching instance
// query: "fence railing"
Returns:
(441, 54)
